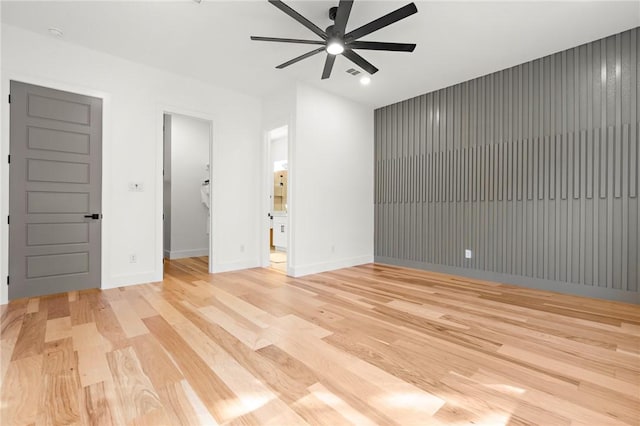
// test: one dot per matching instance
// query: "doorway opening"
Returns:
(186, 191)
(278, 178)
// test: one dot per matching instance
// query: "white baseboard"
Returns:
(127, 280)
(234, 266)
(316, 268)
(181, 254)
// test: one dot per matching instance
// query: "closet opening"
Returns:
(187, 196)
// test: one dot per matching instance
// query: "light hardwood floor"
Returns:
(365, 345)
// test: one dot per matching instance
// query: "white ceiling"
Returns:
(209, 41)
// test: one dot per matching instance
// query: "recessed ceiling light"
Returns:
(56, 32)
(365, 80)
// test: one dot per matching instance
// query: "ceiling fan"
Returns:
(336, 42)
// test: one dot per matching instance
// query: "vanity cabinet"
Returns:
(280, 232)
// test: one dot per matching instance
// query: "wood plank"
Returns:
(139, 304)
(95, 408)
(21, 391)
(56, 329)
(156, 364)
(31, 338)
(6, 352)
(33, 305)
(202, 414)
(129, 321)
(109, 327)
(252, 394)
(570, 369)
(135, 392)
(251, 336)
(80, 311)
(216, 396)
(321, 393)
(91, 348)
(177, 406)
(57, 306)
(12, 319)
(59, 402)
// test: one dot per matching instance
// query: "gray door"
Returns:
(55, 188)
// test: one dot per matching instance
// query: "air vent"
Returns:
(353, 71)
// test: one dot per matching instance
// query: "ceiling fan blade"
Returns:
(301, 57)
(328, 66)
(342, 15)
(382, 22)
(359, 61)
(295, 15)
(376, 45)
(287, 40)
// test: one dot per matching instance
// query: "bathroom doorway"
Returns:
(278, 178)
(187, 195)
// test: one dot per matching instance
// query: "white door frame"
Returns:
(172, 109)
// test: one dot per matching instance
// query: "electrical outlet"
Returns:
(136, 186)
(241, 248)
(133, 258)
(333, 249)
(467, 254)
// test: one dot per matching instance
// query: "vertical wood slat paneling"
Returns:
(543, 149)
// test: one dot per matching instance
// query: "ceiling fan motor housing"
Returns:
(333, 12)
(332, 33)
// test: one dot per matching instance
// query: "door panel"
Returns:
(58, 109)
(57, 171)
(55, 180)
(57, 202)
(44, 234)
(57, 140)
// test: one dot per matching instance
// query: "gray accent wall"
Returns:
(534, 168)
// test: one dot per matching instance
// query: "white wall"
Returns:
(331, 183)
(189, 158)
(279, 149)
(134, 98)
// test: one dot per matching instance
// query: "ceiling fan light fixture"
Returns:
(335, 47)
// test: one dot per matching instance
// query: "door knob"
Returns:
(93, 216)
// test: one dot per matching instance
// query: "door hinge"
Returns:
(8, 217)
(9, 97)
(9, 158)
(7, 279)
